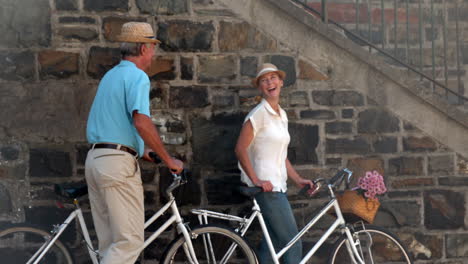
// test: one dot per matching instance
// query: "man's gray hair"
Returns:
(130, 49)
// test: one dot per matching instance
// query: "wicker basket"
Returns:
(354, 206)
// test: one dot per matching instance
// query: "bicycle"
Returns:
(24, 244)
(359, 243)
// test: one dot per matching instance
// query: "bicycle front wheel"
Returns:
(19, 243)
(212, 244)
(374, 244)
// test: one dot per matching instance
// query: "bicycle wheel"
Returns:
(375, 245)
(19, 243)
(212, 245)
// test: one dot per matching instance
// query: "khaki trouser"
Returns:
(116, 197)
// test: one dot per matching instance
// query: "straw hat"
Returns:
(267, 68)
(138, 32)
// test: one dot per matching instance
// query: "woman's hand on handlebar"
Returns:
(305, 182)
(265, 185)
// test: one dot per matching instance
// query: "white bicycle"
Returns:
(359, 243)
(21, 244)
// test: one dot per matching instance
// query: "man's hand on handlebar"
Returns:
(176, 166)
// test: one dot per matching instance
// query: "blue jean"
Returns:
(281, 226)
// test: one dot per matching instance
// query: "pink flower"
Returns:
(373, 184)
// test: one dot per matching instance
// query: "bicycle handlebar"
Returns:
(334, 182)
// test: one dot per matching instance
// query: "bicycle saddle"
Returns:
(249, 191)
(72, 192)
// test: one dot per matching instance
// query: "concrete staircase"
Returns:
(393, 88)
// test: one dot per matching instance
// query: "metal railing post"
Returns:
(324, 12)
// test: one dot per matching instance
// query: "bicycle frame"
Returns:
(170, 205)
(245, 223)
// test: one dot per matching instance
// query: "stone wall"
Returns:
(56, 52)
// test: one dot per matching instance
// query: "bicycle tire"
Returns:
(19, 243)
(385, 247)
(220, 237)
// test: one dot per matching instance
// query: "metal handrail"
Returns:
(324, 17)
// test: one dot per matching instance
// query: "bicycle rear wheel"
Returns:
(19, 243)
(212, 245)
(375, 245)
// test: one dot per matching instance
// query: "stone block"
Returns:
(298, 98)
(25, 23)
(406, 166)
(309, 72)
(185, 35)
(162, 7)
(338, 127)
(77, 20)
(5, 200)
(13, 172)
(45, 217)
(317, 114)
(419, 144)
(147, 174)
(405, 213)
(213, 139)
(338, 98)
(186, 68)
(111, 26)
(81, 151)
(333, 161)
(347, 113)
(248, 66)
(45, 163)
(78, 33)
(242, 36)
(359, 167)
(187, 194)
(462, 165)
(9, 153)
(188, 97)
(214, 12)
(17, 66)
(303, 145)
(424, 246)
(412, 183)
(403, 194)
(386, 145)
(453, 181)
(66, 5)
(286, 64)
(456, 245)
(444, 209)
(105, 5)
(58, 64)
(372, 121)
(441, 165)
(217, 68)
(356, 145)
(101, 60)
(223, 101)
(162, 68)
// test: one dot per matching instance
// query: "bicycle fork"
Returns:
(354, 247)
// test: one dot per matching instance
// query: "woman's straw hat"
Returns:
(138, 32)
(267, 68)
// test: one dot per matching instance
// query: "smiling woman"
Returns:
(262, 152)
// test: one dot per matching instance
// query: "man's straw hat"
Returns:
(267, 68)
(138, 32)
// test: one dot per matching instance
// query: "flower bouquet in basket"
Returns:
(362, 201)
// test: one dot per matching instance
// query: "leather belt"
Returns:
(115, 146)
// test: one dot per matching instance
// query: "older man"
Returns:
(119, 126)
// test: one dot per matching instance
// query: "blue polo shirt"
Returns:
(122, 90)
